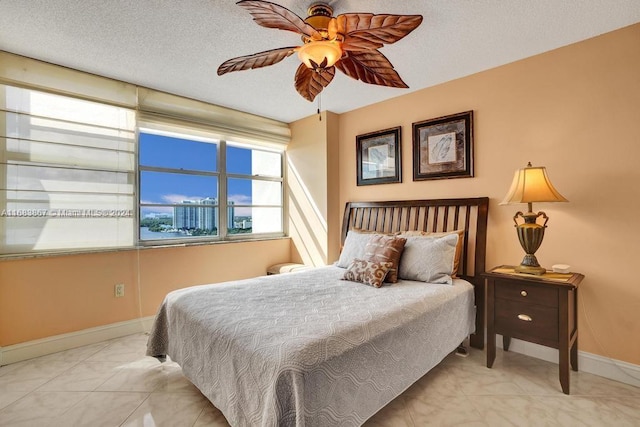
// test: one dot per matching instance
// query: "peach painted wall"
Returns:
(574, 110)
(46, 296)
(312, 180)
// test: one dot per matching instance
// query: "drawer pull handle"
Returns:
(523, 293)
(525, 317)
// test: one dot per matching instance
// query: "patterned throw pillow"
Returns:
(383, 248)
(367, 272)
(354, 245)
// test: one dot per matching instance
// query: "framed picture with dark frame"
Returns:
(443, 147)
(378, 157)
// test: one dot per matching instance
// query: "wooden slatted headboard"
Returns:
(437, 215)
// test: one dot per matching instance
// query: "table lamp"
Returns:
(531, 184)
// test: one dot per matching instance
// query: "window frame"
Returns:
(283, 193)
(222, 205)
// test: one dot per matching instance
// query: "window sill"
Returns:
(51, 254)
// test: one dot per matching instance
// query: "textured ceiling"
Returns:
(176, 46)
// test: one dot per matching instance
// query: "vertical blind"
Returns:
(67, 172)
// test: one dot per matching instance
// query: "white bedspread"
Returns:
(306, 348)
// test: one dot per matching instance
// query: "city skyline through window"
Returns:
(180, 188)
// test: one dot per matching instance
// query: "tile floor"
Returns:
(113, 384)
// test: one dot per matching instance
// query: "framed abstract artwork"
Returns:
(378, 157)
(443, 147)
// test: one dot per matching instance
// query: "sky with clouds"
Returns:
(170, 188)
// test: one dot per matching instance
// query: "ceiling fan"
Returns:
(348, 42)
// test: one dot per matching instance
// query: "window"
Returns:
(187, 192)
(254, 188)
(67, 173)
(74, 176)
(178, 187)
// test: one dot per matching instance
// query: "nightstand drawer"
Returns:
(526, 321)
(530, 294)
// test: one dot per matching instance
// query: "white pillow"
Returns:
(428, 259)
(353, 247)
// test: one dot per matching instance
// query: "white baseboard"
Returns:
(41, 347)
(613, 369)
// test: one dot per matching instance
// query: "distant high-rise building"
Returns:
(207, 220)
(184, 217)
(192, 214)
(231, 214)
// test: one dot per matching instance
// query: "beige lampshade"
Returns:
(318, 50)
(531, 184)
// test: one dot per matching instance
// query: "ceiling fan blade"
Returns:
(357, 43)
(257, 60)
(377, 28)
(271, 15)
(310, 83)
(372, 67)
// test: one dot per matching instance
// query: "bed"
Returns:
(310, 349)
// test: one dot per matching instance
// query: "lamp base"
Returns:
(529, 269)
(530, 235)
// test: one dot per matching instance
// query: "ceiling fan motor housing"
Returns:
(319, 16)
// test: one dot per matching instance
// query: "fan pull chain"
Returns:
(319, 105)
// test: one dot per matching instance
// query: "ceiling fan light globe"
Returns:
(317, 51)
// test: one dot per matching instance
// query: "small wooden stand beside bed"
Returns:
(309, 349)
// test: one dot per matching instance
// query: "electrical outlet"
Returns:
(119, 290)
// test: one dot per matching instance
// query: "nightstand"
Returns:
(539, 309)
